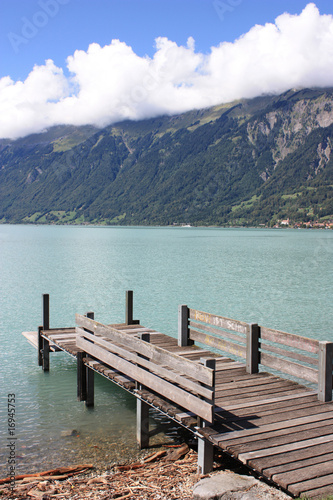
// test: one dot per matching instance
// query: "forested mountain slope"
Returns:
(249, 162)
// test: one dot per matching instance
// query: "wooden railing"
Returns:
(293, 355)
(184, 382)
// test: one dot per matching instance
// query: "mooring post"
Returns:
(85, 376)
(81, 377)
(142, 411)
(40, 346)
(183, 329)
(206, 448)
(46, 326)
(90, 376)
(129, 307)
(325, 371)
(252, 348)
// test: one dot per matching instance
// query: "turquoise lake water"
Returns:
(277, 278)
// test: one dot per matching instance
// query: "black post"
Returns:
(46, 326)
(90, 376)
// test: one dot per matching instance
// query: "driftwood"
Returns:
(65, 472)
(160, 475)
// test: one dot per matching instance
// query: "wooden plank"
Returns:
(278, 437)
(231, 407)
(309, 404)
(253, 397)
(289, 367)
(257, 389)
(222, 333)
(297, 464)
(188, 384)
(245, 457)
(318, 493)
(257, 419)
(222, 322)
(263, 429)
(247, 383)
(223, 345)
(290, 354)
(305, 486)
(158, 355)
(289, 339)
(175, 394)
(294, 477)
(290, 457)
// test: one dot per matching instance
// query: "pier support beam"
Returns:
(40, 346)
(142, 411)
(142, 424)
(46, 326)
(205, 456)
(206, 448)
(85, 377)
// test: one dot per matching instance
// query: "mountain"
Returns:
(249, 162)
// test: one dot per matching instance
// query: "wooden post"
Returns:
(183, 330)
(252, 349)
(129, 308)
(81, 377)
(85, 376)
(40, 346)
(46, 326)
(46, 311)
(325, 371)
(142, 412)
(206, 448)
(90, 377)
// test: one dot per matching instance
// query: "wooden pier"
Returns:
(261, 395)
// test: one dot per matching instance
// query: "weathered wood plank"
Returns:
(289, 367)
(294, 477)
(156, 354)
(257, 389)
(248, 405)
(289, 354)
(188, 384)
(305, 486)
(222, 333)
(297, 464)
(217, 343)
(175, 394)
(290, 457)
(285, 425)
(289, 339)
(245, 457)
(220, 321)
(279, 437)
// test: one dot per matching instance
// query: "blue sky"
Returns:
(74, 24)
(33, 31)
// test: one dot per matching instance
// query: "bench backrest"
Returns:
(186, 383)
(300, 357)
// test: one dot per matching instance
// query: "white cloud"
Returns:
(112, 83)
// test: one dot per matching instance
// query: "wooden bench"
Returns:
(299, 357)
(187, 383)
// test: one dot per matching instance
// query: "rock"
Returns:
(69, 433)
(230, 486)
(221, 485)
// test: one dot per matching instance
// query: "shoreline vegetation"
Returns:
(283, 224)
